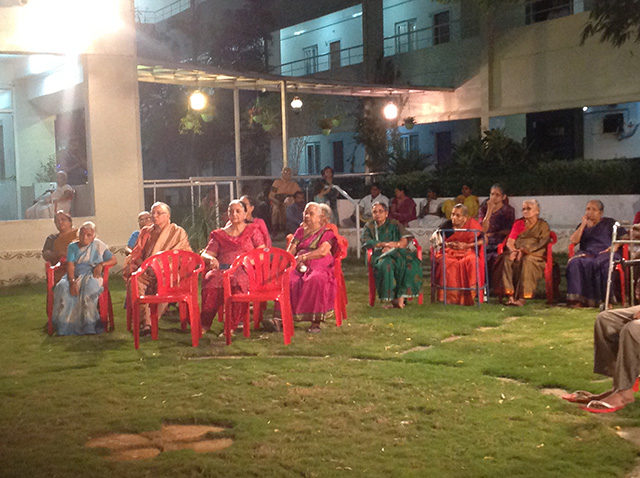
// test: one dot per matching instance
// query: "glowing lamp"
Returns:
(390, 111)
(296, 103)
(197, 100)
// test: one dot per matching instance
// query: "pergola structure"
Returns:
(197, 76)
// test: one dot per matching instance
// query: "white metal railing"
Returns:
(155, 16)
(423, 38)
(308, 66)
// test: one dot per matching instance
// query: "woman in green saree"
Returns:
(397, 271)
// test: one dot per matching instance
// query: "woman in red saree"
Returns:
(224, 246)
(460, 257)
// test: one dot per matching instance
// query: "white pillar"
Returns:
(236, 133)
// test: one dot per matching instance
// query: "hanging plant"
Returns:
(191, 123)
(325, 125)
(409, 122)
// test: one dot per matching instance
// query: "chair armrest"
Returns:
(572, 250)
(418, 247)
(502, 245)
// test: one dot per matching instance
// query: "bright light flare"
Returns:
(390, 111)
(296, 103)
(197, 100)
(66, 26)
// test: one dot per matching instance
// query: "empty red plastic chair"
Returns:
(176, 274)
(372, 280)
(104, 301)
(268, 270)
(550, 286)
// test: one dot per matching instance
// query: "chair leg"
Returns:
(184, 315)
(287, 320)
(128, 302)
(112, 325)
(372, 288)
(135, 318)
(153, 309)
(194, 318)
(227, 321)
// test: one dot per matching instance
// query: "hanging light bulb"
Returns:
(197, 100)
(390, 111)
(296, 104)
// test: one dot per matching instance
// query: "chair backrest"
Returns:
(267, 267)
(175, 271)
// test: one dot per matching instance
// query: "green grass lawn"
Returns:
(381, 396)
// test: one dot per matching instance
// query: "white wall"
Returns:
(344, 26)
(600, 145)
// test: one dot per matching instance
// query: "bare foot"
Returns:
(619, 399)
(519, 302)
(387, 305)
(398, 303)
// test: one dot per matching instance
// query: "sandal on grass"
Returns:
(145, 330)
(599, 406)
(579, 396)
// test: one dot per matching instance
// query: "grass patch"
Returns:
(381, 396)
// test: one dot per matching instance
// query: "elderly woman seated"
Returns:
(496, 217)
(55, 246)
(522, 263)
(225, 244)
(397, 271)
(313, 282)
(460, 259)
(75, 297)
(587, 270)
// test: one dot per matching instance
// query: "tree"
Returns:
(616, 21)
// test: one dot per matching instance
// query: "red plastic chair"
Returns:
(550, 287)
(341, 251)
(372, 280)
(176, 275)
(619, 268)
(268, 270)
(104, 301)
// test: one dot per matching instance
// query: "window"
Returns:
(313, 158)
(334, 55)
(613, 123)
(51, 135)
(441, 28)
(406, 36)
(410, 142)
(541, 10)
(310, 60)
(338, 156)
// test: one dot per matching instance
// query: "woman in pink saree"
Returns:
(225, 244)
(313, 282)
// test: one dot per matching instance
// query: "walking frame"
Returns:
(624, 262)
(478, 250)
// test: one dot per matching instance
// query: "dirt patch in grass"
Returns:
(146, 445)
(453, 338)
(417, 349)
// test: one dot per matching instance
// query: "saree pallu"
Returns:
(226, 248)
(587, 271)
(79, 315)
(460, 265)
(519, 279)
(397, 272)
(313, 292)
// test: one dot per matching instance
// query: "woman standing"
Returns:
(403, 208)
(225, 244)
(397, 271)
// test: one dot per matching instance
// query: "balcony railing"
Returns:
(423, 38)
(150, 16)
(327, 61)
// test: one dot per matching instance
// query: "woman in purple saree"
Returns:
(313, 282)
(587, 269)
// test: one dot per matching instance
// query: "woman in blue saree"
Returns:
(75, 297)
(587, 270)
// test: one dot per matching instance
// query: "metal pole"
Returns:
(285, 136)
(236, 133)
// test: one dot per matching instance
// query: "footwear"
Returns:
(579, 396)
(314, 329)
(145, 331)
(599, 406)
(272, 325)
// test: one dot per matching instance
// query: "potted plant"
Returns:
(409, 122)
(325, 125)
